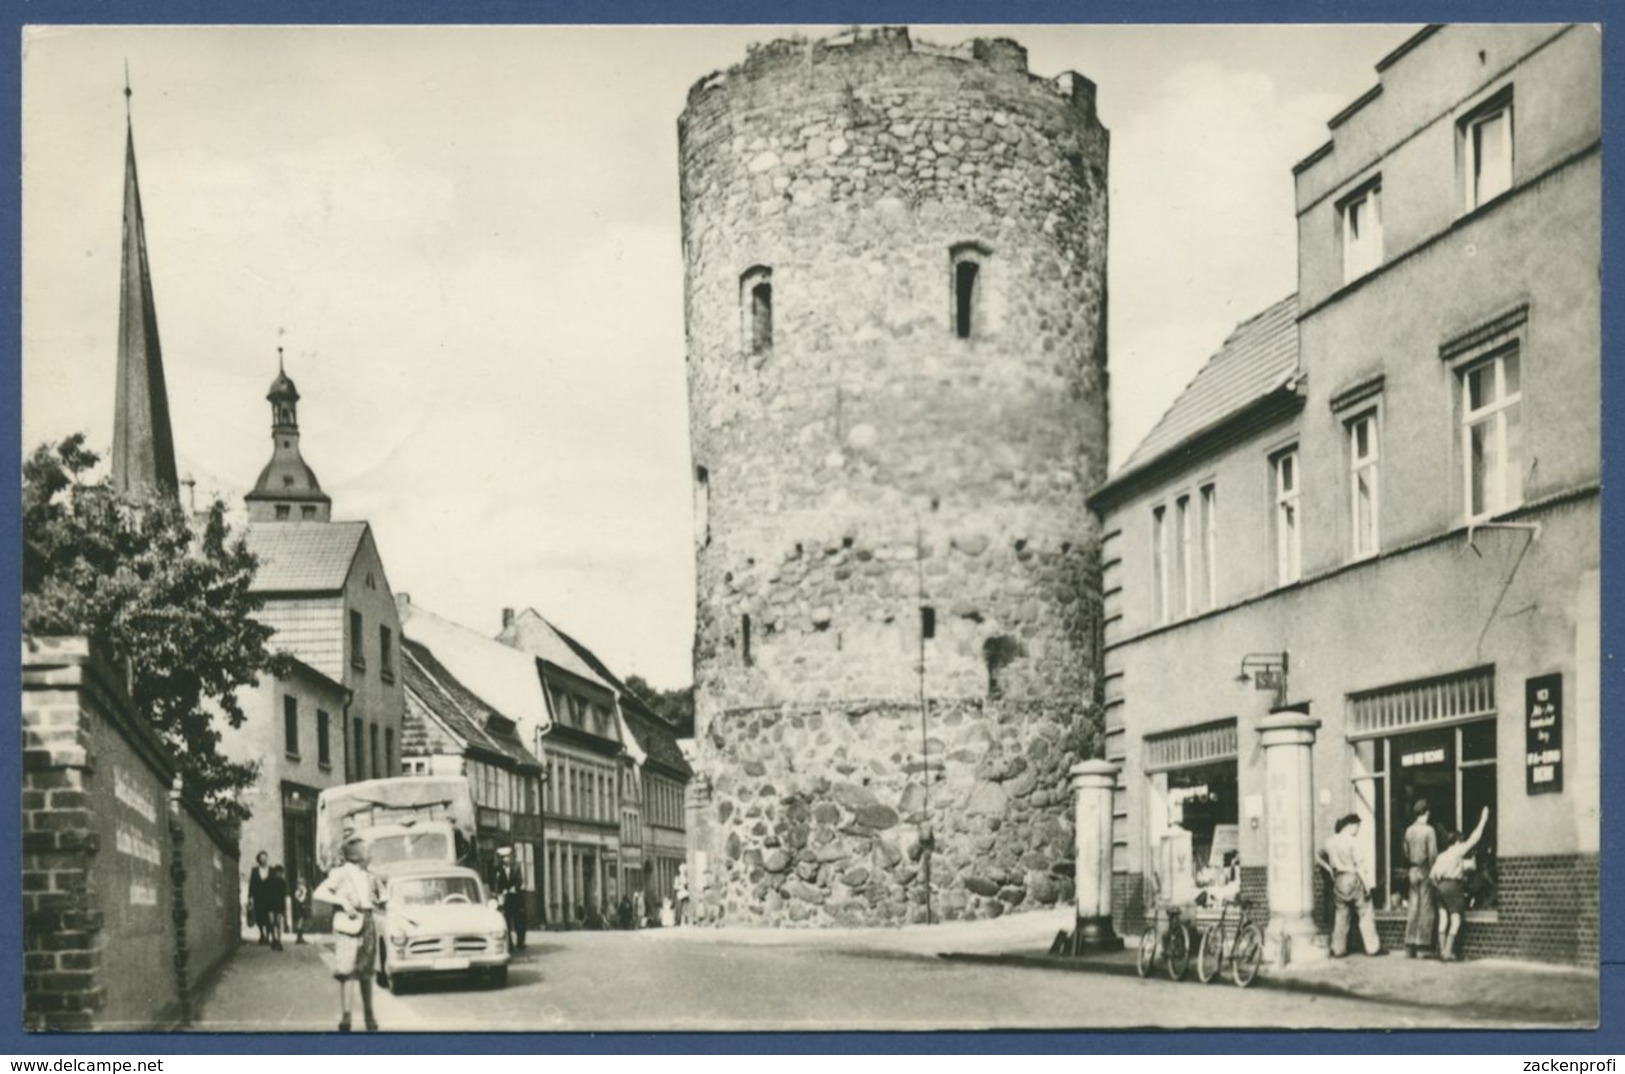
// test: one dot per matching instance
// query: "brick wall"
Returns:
(1129, 909)
(113, 936)
(1548, 912)
(1255, 887)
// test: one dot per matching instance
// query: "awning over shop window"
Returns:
(1191, 746)
(1467, 695)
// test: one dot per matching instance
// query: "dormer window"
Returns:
(756, 309)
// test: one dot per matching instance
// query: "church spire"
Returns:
(143, 442)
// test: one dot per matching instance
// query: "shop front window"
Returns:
(1194, 827)
(1453, 769)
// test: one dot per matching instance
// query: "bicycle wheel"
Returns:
(1209, 954)
(1248, 955)
(1148, 950)
(1179, 951)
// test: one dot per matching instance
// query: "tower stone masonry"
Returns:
(896, 284)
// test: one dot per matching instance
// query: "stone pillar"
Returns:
(701, 836)
(1092, 786)
(1288, 738)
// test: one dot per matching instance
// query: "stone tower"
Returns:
(896, 288)
(287, 490)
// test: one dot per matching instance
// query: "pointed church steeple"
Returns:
(287, 490)
(143, 442)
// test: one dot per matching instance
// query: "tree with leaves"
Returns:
(676, 707)
(170, 601)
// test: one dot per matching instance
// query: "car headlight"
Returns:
(398, 937)
(498, 936)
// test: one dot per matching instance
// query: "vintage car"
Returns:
(437, 919)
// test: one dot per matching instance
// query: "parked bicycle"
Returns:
(1239, 941)
(1169, 938)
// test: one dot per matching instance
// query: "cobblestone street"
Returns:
(691, 979)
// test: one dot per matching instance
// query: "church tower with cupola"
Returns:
(287, 490)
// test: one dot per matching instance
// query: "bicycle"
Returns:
(1172, 944)
(1243, 945)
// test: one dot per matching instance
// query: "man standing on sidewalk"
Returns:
(509, 889)
(1343, 858)
(1421, 848)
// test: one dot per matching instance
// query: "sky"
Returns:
(467, 242)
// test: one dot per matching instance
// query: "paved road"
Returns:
(694, 981)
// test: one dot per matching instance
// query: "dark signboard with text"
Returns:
(1543, 723)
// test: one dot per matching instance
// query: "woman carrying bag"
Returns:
(355, 893)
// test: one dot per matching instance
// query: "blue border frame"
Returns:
(1609, 1038)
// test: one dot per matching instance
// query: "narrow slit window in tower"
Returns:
(702, 505)
(964, 296)
(744, 639)
(761, 317)
(756, 295)
(928, 622)
(967, 283)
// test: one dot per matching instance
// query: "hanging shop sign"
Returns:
(1543, 723)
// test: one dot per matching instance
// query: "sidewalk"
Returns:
(1520, 993)
(287, 991)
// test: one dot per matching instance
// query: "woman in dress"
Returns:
(257, 904)
(355, 892)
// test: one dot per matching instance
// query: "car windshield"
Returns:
(434, 890)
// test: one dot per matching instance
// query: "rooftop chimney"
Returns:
(507, 618)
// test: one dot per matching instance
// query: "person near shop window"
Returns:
(1344, 860)
(1449, 875)
(1421, 850)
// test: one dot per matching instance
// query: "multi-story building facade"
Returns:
(654, 774)
(294, 728)
(660, 780)
(324, 591)
(584, 749)
(451, 730)
(1380, 500)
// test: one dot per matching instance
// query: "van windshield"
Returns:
(391, 847)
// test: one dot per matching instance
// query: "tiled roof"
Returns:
(505, 679)
(655, 737)
(463, 712)
(1260, 355)
(310, 557)
(535, 635)
(651, 737)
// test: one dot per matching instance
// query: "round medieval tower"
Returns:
(896, 292)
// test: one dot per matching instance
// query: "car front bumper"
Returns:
(446, 954)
